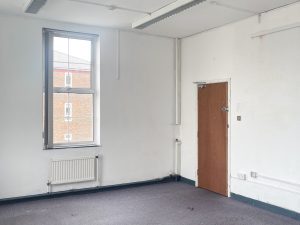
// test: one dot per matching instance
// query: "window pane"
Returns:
(80, 62)
(82, 105)
(74, 62)
(81, 78)
(59, 101)
(60, 128)
(81, 126)
(81, 129)
(72, 118)
(61, 49)
(60, 61)
(60, 122)
(60, 71)
(80, 49)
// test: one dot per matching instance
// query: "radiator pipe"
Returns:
(177, 157)
(49, 187)
(98, 170)
(177, 81)
(118, 56)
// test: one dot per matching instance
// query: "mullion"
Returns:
(69, 93)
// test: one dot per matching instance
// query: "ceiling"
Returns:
(206, 15)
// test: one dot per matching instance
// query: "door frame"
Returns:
(197, 84)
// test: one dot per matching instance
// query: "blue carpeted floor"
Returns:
(168, 204)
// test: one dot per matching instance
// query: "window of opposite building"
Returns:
(69, 89)
(68, 79)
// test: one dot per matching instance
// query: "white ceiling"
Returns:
(207, 15)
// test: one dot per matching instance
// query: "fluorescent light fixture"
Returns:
(110, 7)
(165, 12)
(34, 6)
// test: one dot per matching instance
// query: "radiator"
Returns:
(73, 170)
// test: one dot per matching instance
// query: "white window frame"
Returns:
(68, 108)
(49, 90)
(68, 77)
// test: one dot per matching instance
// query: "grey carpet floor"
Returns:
(167, 204)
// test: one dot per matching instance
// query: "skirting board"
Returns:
(186, 180)
(170, 178)
(86, 190)
(266, 206)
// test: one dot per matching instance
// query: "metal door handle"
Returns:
(225, 109)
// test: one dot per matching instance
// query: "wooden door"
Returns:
(212, 137)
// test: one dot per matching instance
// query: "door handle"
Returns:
(225, 109)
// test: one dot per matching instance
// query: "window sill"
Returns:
(73, 147)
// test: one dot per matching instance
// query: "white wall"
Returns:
(265, 81)
(137, 111)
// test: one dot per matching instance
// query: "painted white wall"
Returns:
(265, 79)
(137, 111)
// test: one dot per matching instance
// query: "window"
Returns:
(68, 79)
(69, 89)
(68, 112)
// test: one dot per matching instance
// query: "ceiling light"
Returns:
(165, 12)
(34, 6)
(215, 3)
(110, 7)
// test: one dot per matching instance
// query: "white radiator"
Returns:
(73, 170)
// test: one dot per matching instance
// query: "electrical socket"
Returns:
(253, 174)
(242, 176)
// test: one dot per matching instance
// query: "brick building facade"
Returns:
(72, 113)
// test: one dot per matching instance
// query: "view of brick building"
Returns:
(72, 113)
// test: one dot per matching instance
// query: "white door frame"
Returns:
(228, 81)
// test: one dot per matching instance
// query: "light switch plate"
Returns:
(242, 176)
(253, 174)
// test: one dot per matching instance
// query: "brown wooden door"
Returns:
(212, 137)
